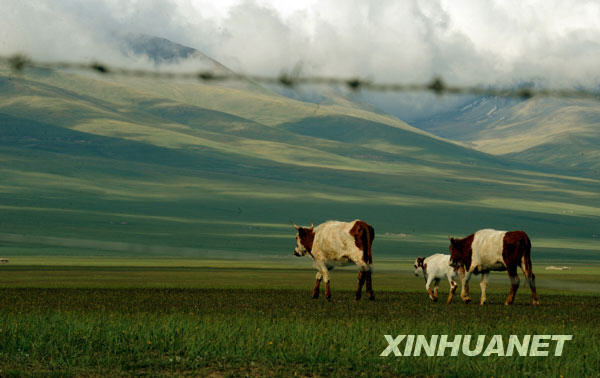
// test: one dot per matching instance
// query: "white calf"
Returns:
(434, 268)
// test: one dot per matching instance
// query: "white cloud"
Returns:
(465, 41)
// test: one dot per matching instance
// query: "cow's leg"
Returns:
(428, 288)
(327, 291)
(365, 277)
(528, 272)
(324, 272)
(369, 288)
(316, 289)
(362, 276)
(483, 285)
(453, 286)
(514, 284)
(327, 288)
(465, 277)
(436, 285)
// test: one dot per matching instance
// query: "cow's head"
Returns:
(457, 258)
(304, 240)
(419, 265)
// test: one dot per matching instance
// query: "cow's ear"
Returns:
(452, 240)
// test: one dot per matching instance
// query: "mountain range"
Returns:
(101, 164)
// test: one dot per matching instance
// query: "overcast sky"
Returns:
(466, 41)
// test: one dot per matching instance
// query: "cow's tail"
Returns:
(528, 269)
(368, 234)
(526, 248)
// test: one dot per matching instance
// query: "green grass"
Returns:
(281, 332)
(281, 273)
(119, 316)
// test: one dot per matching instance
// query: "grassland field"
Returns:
(147, 230)
(165, 316)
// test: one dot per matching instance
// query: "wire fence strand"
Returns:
(19, 63)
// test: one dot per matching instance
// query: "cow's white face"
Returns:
(304, 240)
(418, 265)
(300, 250)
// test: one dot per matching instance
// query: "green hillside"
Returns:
(559, 133)
(137, 167)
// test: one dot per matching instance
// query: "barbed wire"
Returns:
(18, 63)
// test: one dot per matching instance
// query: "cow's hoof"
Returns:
(507, 303)
(434, 299)
(467, 300)
(315, 297)
(328, 298)
(482, 303)
(536, 303)
(372, 298)
(358, 297)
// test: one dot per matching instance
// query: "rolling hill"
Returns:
(559, 133)
(139, 167)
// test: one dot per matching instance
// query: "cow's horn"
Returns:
(294, 224)
(312, 224)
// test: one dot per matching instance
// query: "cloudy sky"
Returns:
(466, 41)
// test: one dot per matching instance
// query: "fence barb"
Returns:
(19, 63)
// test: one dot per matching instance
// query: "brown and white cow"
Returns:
(338, 243)
(487, 250)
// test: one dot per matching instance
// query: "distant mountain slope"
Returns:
(137, 116)
(383, 137)
(164, 51)
(466, 121)
(556, 132)
(218, 170)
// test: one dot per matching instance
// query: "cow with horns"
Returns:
(487, 250)
(338, 243)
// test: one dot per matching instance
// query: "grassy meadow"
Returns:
(147, 228)
(163, 316)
